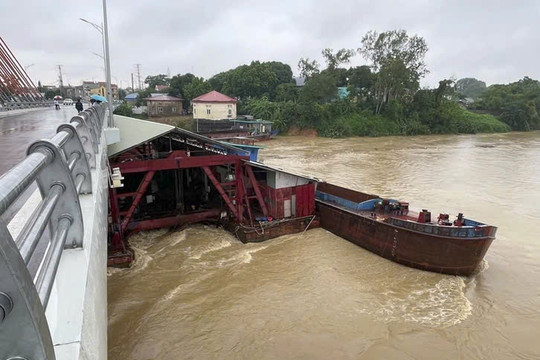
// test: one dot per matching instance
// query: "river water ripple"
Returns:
(201, 294)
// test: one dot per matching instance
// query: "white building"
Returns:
(214, 106)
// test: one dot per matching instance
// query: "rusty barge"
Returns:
(170, 177)
(389, 229)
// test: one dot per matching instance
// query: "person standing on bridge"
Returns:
(78, 105)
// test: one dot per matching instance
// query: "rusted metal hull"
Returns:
(120, 259)
(270, 231)
(448, 255)
(174, 221)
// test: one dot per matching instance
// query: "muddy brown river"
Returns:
(201, 294)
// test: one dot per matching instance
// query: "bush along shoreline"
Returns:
(343, 118)
(455, 121)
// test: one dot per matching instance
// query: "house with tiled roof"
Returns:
(214, 106)
(164, 105)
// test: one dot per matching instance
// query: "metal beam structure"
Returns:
(181, 151)
(140, 192)
(235, 194)
(177, 159)
(220, 190)
(245, 198)
(16, 88)
(258, 193)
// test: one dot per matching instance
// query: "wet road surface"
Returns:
(18, 132)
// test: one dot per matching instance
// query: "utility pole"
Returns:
(60, 80)
(138, 75)
(132, 87)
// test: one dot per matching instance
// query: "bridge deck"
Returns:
(18, 130)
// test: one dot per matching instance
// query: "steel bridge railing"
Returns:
(61, 166)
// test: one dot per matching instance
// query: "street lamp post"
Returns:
(99, 28)
(108, 61)
(105, 43)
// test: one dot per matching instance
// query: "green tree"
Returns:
(516, 103)
(124, 109)
(177, 84)
(340, 74)
(254, 80)
(429, 107)
(154, 80)
(217, 81)
(143, 94)
(445, 89)
(121, 94)
(196, 87)
(283, 72)
(398, 60)
(470, 87)
(286, 92)
(308, 68)
(340, 57)
(320, 89)
(361, 82)
(423, 107)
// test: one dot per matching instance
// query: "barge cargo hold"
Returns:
(388, 229)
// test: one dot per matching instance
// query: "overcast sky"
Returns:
(495, 41)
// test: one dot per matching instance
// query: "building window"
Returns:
(160, 110)
(173, 109)
(208, 109)
(230, 112)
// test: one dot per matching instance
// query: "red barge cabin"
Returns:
(164, 176)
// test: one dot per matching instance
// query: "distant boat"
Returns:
(243, 143)
(245, 127)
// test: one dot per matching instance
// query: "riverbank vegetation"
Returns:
(378, 99)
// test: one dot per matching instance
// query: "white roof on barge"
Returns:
(135, 131)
